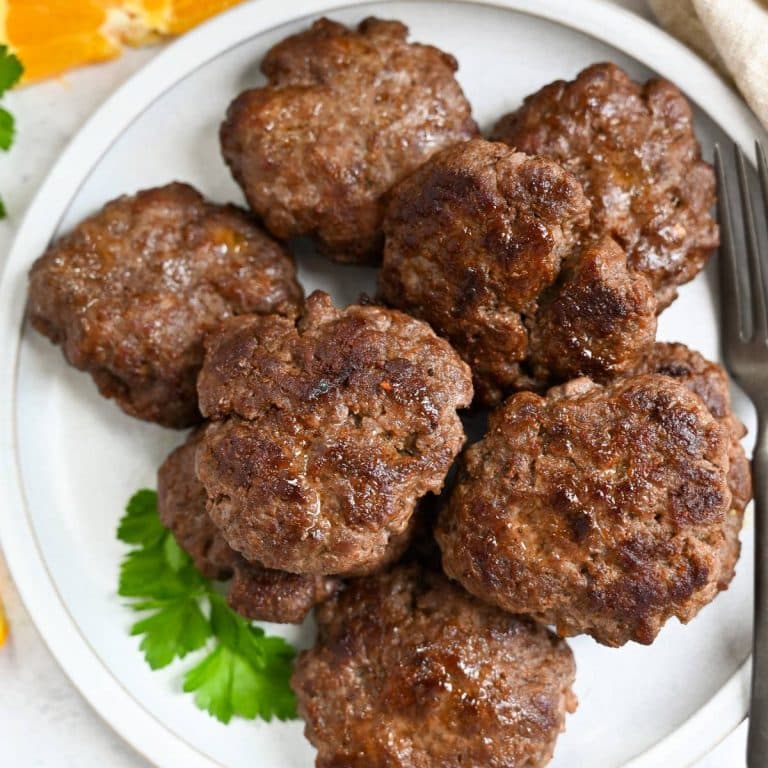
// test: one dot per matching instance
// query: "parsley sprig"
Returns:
(244, 671)
(11, 70)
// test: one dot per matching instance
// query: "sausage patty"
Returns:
(601, 510)
(346, 114)
(409, 670)
(130, 293)
(255, 592)
(325, 433)
(633, 148)
(472, 239)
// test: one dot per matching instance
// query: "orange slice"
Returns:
(3, 625)
(174, 17)
(52, 36)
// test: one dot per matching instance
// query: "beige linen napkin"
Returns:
(731, 34)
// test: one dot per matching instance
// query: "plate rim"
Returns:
(599, 19)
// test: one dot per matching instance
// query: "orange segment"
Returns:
(173, 17)
(57, 56)
(3, 625)
(52, 36)
(37, 21)
(186, 14)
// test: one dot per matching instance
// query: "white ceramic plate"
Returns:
(71, 459)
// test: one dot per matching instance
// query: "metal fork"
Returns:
(744, 314)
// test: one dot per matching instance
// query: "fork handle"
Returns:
(757, 739)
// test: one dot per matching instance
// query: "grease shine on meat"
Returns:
(131, 292)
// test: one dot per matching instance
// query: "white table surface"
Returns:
(44, 722)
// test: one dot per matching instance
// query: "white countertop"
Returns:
(44, 722)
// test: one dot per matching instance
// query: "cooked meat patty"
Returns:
(633, 148)
(326, 432)
(132, 290)
(346, 114)
(181, 502)
(265, 594)
(710, 382)
(255, 592)
(598, 320)
(472, 239)
(601, 510)
(409, 670)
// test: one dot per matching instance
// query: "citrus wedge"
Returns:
(3, 625)
(53, 36)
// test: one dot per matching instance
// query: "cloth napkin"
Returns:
(730, 34)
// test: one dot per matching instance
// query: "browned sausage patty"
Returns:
(633, 148)
(346, 114)
(255, 592)
(326, 432)
(710, 382)
(472, 239)
(181, 501)
(409, 670)
(132, 290)
(601, 510)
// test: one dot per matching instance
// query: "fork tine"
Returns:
(756, 284)
(730, 290)
(762, 165)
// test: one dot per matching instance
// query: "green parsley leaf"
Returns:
(176, 629)
(211, 681)
(11, 69)
(141, 525)
(7, 129)
(259, 650)
(159, 569)
(246, 673)
(175, 556)
(226, 684)
(149, 573)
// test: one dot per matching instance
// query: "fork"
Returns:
(744, 315)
